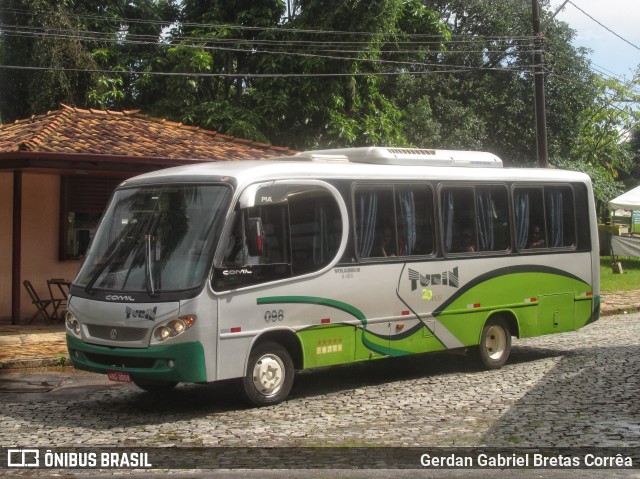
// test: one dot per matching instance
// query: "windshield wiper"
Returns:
(125, 241)
(147, 260)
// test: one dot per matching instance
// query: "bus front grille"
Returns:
(116, 333)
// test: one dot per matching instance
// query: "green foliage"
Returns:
(60, 62)
(452, 74)
(599, 146)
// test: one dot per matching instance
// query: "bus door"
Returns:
(394, 228)
(280, 231)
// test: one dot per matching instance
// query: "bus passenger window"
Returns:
(394, 221)
(414, 211)
(374, 213)
(316, 231)
(458, 220)
(545, 217)
(529, 218)
(492, 212)
(560, 216)
(237, 249)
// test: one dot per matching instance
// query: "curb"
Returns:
(34, 363)
(615, 311)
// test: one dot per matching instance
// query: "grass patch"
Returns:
(628, 281)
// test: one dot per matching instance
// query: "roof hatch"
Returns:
(403, 156)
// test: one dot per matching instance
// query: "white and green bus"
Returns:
(256, 269)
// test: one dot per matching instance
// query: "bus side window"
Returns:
(530, 219)
(414, 213)
(560, 216)
(276, 233)
(458, 220)
(316, 231)
(375, 222)
(394, 221)
(238, 251)
(492, 214)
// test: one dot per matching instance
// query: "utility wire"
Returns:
(448, 69)
(224, 26)
(504, 50)
(123, 35)
(435, 39)
(604, 26)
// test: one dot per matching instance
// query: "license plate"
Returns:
(119, 376)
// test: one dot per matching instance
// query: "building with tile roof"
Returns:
(57, 171)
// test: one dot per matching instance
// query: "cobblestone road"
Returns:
(572, 389)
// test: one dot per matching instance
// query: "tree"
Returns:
(62, 45)
(477, 93)
(355, 44)
(322, 73)
(601, 146)
(130, 43)
(55, 61)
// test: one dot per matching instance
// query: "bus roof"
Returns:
(404, 156)
(352, 164)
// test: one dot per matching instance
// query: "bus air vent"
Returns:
(406, 156)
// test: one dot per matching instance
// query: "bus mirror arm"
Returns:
(254, 236)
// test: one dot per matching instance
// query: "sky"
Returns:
(611, 55)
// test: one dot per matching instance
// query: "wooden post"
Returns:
(538, 75)
(16, 249)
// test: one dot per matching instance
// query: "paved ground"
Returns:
(572, 389)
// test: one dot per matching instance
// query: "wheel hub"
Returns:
(496, 343)
(268, 374)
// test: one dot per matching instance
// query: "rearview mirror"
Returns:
(254, 235)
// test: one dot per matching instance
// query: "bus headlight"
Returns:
(72, 323)
(173, 328)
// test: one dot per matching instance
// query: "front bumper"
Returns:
(182, 362)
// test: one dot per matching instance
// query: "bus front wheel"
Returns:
(495, 344)
(269, 375)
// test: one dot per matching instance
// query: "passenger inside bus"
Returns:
(537, 241)
(467, 243)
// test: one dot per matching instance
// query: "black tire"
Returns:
(495, 344)
(156, 387)
(269, 376)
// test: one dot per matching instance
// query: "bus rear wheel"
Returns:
(269, 376)
(495, 344)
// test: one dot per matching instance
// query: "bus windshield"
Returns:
(155, 238)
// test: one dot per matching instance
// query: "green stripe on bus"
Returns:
(370, 343)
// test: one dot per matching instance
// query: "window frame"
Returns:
(546, 249)
(258, 274)
(68, 204)
(429, 191)
(474, 186)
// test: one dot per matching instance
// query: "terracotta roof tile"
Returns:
(125, 133)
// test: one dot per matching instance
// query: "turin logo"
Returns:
(446, 278)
